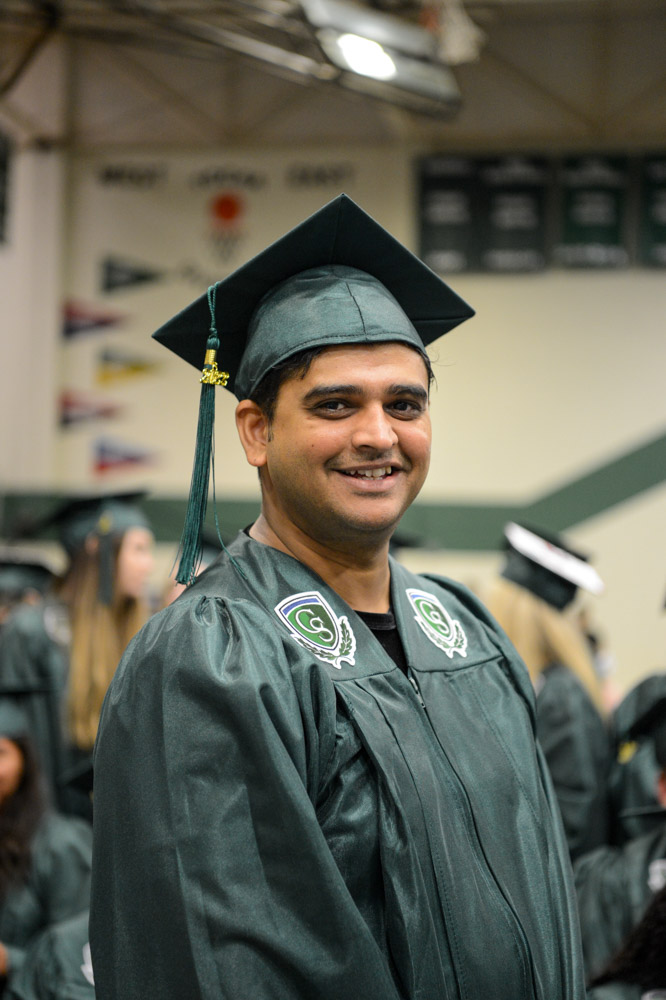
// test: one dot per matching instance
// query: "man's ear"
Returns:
(253, 431)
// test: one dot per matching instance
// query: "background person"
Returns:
(538, 582)
(45, 858)
(63, 653)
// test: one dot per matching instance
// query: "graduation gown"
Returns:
(33, 672)
(576, 745)
(57, 966)
(614, 886)
(281, 813)
(57, 885)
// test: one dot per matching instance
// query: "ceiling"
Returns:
(190, 74)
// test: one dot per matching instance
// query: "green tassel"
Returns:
(191, 543)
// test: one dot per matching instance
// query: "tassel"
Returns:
(191, 543)
(106, 560)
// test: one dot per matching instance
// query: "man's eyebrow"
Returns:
(322, 391)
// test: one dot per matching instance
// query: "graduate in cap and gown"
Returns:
(61, 654)
(57, 965)
(615, 885)
(45, 858)
(316, 774)
(540, 579)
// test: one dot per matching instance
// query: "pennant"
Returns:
(111, 455)
(79, 318)
(79, 407)
(117, 366)
(118, 273)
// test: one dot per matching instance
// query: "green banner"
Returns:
(652, 212)
(593, 223)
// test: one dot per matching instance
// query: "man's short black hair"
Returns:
(297, 366)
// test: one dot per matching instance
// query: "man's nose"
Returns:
(374, 429)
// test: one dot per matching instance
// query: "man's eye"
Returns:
(406, 406)
(332, 405)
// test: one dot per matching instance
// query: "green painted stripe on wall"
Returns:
(466, 527)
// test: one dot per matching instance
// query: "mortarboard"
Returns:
(13, 722)
(105, 516)
(337, 278)
(545, 565)
(21, 572)
(642, 714)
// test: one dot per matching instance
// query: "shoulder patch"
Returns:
(315, 626)
(437, 624)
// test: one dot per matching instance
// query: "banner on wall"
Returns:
(594, 212)
(120, 274)
(652, 244)
(82, 408)
(525, 213)
(111, 455)
(80, 318)
(118, 366)
(5, 156)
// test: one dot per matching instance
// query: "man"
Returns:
(316, 774)
(539, 580)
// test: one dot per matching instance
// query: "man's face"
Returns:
(350, 442)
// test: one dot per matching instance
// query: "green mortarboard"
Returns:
(13, 722)
(544, 564)
(76, 518)
(337, 278)
(23, 572)
(106, 516)
(642, 714)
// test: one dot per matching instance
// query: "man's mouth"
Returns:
(380, 473)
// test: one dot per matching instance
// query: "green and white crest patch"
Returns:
(437, 624)
(313, 623)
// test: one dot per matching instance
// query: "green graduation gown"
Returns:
(57, 966)
(280, 814)
(576, 745)
(57, 885)
(614, 886)
(33, 672)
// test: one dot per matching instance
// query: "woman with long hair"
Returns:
(45, 858)
(62, 655)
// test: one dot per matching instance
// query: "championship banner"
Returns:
(449, 195)
(593, 224)
(652, 225)
(512, 206)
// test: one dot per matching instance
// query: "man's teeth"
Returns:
(371, 473)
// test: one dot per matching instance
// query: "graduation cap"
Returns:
(337, 278)
(13, 722)
(105, 516)
(642, 715)
(544, 564)
(22, 572)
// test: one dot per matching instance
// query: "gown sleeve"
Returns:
(212, 877)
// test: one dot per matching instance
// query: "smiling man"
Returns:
(316, 774)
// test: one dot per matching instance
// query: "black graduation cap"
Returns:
(337, 278)
(543, 563)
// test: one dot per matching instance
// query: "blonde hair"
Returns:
(99, 635)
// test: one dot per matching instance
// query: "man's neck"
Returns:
(361, 576)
